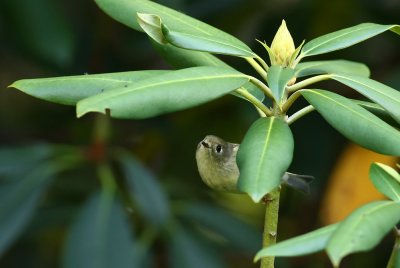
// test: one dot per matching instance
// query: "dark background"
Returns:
(46, 38)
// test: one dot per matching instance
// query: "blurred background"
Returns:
(46, 38)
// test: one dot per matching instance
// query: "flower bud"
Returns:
(282, 47)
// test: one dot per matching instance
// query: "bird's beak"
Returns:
(205, 144)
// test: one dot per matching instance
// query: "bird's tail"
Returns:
(298, 182)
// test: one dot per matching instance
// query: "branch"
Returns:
(307, 82)
(258, 104)
(257, 67)
(299, 114)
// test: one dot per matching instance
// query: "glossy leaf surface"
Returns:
(300, 245)
(363, 229)
(264, 156)
(71, 89)
(201, 38)
(180, 24)
(331, 66)
(344, 38)
(383, 95)
(170, 92)
(277, 79)
(377, 110)
(354, 122)
(183, 58)
(386, 180)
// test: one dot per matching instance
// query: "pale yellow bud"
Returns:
(282, 47)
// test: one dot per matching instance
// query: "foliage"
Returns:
(360, 231)
(267, 146)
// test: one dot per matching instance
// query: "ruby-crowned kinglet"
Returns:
(216, 161)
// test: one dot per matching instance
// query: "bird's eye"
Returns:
(218, 148)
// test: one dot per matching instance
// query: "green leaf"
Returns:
(363, 229)
(207, 42)
(254, 90)
(19, 200)
(221, 223)
(344, 38)
(331, 66)
(300, 245)
(166, 93)
(15, 160)
(377, 110)
(152, 25)
(354, 122)
(186, 250)
(145, 190)
(264, 156)
(386, 180)
(277, 79)
(100, 236)
(394, 261)
(383, 95)
(201, 37)
(180, 24)
(184, 58)
(71, 89)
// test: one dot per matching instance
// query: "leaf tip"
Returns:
(256, 258)
(14, 85)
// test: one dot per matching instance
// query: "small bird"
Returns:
(216, 162)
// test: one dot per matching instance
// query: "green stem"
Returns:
(289, 102)
(267, 91)
(308, 82)
(299, 114)
(300, 57)
(101, 128)
(257, 67)
(394, 260)
(263, 63)
(244, 93)
(107, 179)
(270, 225)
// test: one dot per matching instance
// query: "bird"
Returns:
(216, 163)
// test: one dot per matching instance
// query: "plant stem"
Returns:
(107, 179)
(270, 225)
(395, 256)
(267, 91)
(263, 63)
(299, 114)
(244, 93)
(289, 102)
(308, 82)
(257, 67)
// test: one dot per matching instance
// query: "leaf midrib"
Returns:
(356, 223)
(113, 94)
(339, 36)
(211, 40)
(348, 108)
(267, 140)
(369, 87)
(187, 24)
(389, 185)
